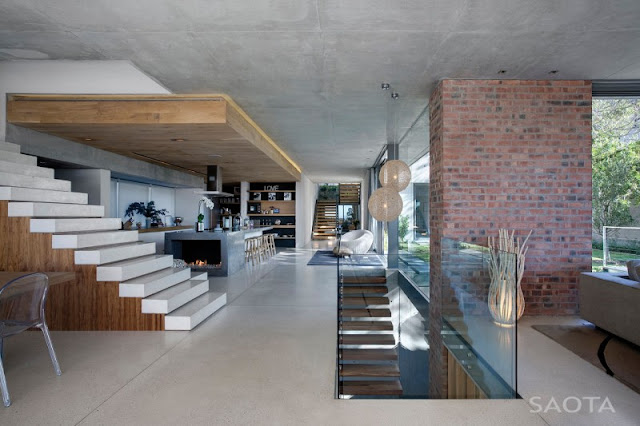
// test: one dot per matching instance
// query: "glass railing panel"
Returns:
(479, 307)
(413, 262)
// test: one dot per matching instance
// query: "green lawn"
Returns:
(616, 256)
(421, 251)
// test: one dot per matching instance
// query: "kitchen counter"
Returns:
(231, 246)
(162, 229)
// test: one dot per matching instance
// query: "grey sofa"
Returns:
(612, 303)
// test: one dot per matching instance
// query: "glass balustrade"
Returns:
(382, 333)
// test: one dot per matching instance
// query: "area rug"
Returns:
(621, 357)
(326, 257)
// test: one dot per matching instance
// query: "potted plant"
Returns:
(208, 204)
(148, 210)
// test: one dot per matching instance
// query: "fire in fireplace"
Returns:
(204, 264)
(199, 254)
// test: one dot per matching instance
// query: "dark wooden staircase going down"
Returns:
(368, 359)
(325, 220)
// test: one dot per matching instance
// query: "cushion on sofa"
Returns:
(633, 268)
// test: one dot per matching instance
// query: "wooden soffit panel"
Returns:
(184, 132)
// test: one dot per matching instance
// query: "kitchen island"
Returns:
(218, 253)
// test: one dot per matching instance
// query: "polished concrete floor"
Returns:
(266, 358)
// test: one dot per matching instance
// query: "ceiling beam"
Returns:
(135, 117)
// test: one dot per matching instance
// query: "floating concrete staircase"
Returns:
(114, 253)
(181, 296)
(368, 360)
(9, 167)
(54, 210)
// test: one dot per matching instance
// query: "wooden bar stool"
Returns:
(247, 250)
(264, 247)
(271, 244)
(254, 250)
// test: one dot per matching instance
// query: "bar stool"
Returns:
(264, 247)
(255, 250)
(272, 244)
(247, 250)
(252, 253)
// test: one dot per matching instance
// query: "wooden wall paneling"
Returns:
(25, 111)
(245, 126)
(83, 304)
(460, 384)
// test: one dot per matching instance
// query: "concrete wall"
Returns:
(364, 200)
(95, 182)
(306, 195)
(187, 202)
(74, 77)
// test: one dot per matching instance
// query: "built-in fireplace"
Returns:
(218, 253)
(199, 255)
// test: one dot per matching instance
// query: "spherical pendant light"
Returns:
(395, 174)
(385, 204)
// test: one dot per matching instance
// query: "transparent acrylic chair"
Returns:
(22, 303)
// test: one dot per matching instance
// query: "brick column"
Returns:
(512, 154)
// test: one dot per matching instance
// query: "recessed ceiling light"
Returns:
(553, 72)
(88, 139)
(215, 155)
(178, 139)
(502, 71)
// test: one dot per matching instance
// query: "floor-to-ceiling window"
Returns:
(616, 180)
(413, 223)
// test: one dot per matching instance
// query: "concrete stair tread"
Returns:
(80, 240)
(368, 355)
(369, 370)
(10, 193)
(24, 169)
(9, 147)
(175, 290)
(42, 210)
(137, 260)
(130, 268)
(26, 181)
(173, 297)
(113, 253)
(193, 313)
(148, 284)
(18, 158)
(58, 225)
(371, 387)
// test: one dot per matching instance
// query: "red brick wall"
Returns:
(437, 357)
(514, 154)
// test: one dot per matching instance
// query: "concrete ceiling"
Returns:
(308, 71)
